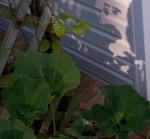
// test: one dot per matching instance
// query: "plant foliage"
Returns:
(124, 111)
(76, 25)
(26, 98)
(58, 70)
(39, 80)
(15, 129)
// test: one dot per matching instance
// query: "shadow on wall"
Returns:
(126, 51)
(111, 33)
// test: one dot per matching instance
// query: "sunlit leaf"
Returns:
(59, 28)
(80, 27)
(65, 16)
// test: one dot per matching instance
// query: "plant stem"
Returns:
(50, 116)
(53, 119)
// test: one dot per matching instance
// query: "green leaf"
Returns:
(44, 45)
(126, 100)
(28, 134)
(77, 25)
(80, 129)
(57, 69)
(59, 28)
(103, 120)
(26, 98)
(65, 16)
(56, 47)
(15, 129)
(124, 111)
(86, 114)
(77, 30)
(122, 135)
(80, 27)
(39, 78)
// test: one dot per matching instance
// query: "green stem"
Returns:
(50, 116)
(53, 119)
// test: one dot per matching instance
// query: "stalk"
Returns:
(53, 119)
